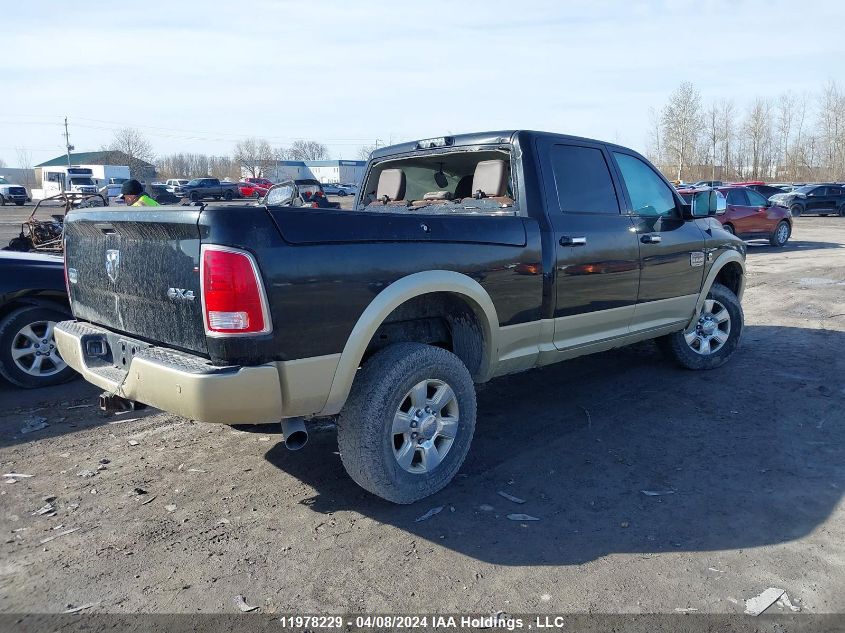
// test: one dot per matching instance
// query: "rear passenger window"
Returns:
(650, 196)
(582, 180)
(755, 199)
(737, 197)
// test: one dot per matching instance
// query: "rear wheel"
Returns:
(408, 423)
(842, 211)
(714, 335)
(28, 354)
(194, 196)
(781, 234)
(2, 201)
(228, 195)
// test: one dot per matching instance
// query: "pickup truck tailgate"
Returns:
(137, 272)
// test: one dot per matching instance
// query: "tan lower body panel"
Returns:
(250, 395)
(306, 384)
(657, 314)
(528, 345)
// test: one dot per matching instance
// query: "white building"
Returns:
(326, 171)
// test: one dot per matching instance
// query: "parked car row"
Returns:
(748, 214)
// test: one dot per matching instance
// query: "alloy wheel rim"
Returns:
(783, 233)
(34, 350)
(711, 330)
(425, 426)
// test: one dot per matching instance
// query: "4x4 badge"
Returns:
(696, 258)
(112, 264)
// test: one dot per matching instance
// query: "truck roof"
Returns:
(474, 138)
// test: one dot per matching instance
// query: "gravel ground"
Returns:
(148, 512)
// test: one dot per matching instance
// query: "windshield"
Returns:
(81, 181)
(3, 181)
(194, 182)
(805, 189)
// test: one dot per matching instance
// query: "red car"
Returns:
(261, 182)
(249, 189)
(750, 216)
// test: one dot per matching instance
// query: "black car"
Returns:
(821, 199)
(33, 298)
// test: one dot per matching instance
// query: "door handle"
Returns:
(568, 240)
(651, 238)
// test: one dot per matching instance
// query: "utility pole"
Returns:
(69, 147)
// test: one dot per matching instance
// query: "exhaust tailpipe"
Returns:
(294, 434)
(111, 403)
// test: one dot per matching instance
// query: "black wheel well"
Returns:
(730, 275)
(54, 302)
(442, 319)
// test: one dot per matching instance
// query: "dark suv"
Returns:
(822, 199)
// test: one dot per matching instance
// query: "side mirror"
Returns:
(704, 203)
(280, 195)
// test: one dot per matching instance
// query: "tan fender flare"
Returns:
(392, 297)
(721, 261)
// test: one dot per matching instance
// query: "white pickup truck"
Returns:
(11, 192)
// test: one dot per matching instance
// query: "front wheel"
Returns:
(408, 423)
(195, 196)
(842, 211)
(796, 210)
(781, 234)
(20, 203)
(2, 201)
(713, 336)
(228, 195)
(729, 228)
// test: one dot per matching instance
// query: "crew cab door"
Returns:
(597, 256)
(671, 248)
(741, 215)
(817, 200)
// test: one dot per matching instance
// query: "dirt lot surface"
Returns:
(656, 489)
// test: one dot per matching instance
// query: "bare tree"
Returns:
(137, 151)
(254, 156)
(307, 150)
(2, 163)
(654, 148)
(831, 131)
(25, 163)
(757, 130)
(711, 117)
(681, 122)
(785, 117)
(365, 150)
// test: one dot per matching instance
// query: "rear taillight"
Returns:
(233, 296)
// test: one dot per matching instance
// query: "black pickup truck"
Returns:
(464, 258)
(201, 188)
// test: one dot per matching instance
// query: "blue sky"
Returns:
(197, 76)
